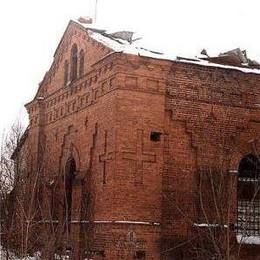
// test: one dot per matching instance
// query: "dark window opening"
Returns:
(102, 253)
(69, 179)
(140, 255)
(66, 72)
(74, 63)
(81, 63)
(155, 136)
(248, 196)
(249, 167)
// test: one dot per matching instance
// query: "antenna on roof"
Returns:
(95, 18)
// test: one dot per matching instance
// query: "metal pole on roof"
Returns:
(95, 20)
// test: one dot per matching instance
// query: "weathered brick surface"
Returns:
(104, 120)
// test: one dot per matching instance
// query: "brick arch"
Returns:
(246, 147)
(236, 158)
(250, 162)
(245, 142)
(69, 180)
(70, 173)
(248, 196)
(72, 152)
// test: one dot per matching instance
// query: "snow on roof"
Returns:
(108, 38)
(211, 64)
(112, 40)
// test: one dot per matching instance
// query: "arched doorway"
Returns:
(248, 196)
(70, 170)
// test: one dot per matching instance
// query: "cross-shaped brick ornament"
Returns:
(105, 158)
(139, 157)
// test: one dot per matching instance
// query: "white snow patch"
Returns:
(79, 221)
(250, 240)
(138, 222)
(45, 221)
(61, 257)
(210, 64)
(248, 180)
(127, 222)
(209, 225)
(233, 171)
(12, 256)
(117, 46)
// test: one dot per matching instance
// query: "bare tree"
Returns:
(220, 226)
(31, 221)
(19, 194)
(9, 177)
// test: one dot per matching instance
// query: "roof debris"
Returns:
(235, 57)
(122, 41)
(123, 35)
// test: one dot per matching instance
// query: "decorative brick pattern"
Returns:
(104, 120)
(139, 157)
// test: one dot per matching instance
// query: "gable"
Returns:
(92, 50)
(95, 44)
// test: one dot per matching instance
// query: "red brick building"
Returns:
(121, 137)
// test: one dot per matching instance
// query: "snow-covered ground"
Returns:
(250, 240)
(12, 256)
(37, 256)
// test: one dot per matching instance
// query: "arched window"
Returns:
(66, 72)
(74, 62)
(248, 196)
(81, 63)
(70, 170)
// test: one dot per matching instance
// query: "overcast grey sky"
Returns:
(31, 30)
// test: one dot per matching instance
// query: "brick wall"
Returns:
(126, 182)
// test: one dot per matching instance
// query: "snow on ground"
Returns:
(12, 256)
(250, 240)
(37, 256)
(209, 225)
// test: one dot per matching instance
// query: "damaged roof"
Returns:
(128, 42)
(235, 57)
